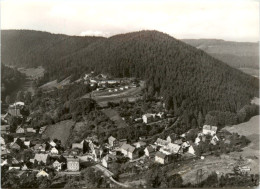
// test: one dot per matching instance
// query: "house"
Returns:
(174, 148)
(24, 168)
(191, 149)
(77, 146)
(54, 151)
(2, 141)
(214, 140)
(30, 130)
(161, 142)
(27, 143)
(172, 137)
(17, 104)
(57, 165)
(149, 150)
(41, 158)
(161, 158)
(73, 163)
(211, 130)
(197, 140)
(97, 154)
(15, 146)
(37, 147)
(52, 143)
(139, 144)
(129, 151)
(160, 114)
(179, 142)
(121, 142)
(42, 173)
(16, 112)
(185, 145)
(107, 160)
(148, 117)
(42, 129)
(112, 141)
(19, 129)
(5, 129)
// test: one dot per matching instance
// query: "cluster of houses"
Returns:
(104, 82)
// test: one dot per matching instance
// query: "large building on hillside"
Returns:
(73, 164)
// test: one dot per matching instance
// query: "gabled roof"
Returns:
(160, 155)
(112, 138)
(56, 162)
(150, 149)
(173, 147)
(41, 157)
(77, 145)
(161, 142)
(211, 128)
(52, 143)
(128, 147)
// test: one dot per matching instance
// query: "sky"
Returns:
(232, 20)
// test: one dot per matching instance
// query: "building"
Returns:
(42, 173)
(77, 146)
(57, 165)
(107, 160)
(112, 141)
(149, 150)
(73, 163)
(52, 143)
(15, 146)
(161, 142)
(19, 130)
(2, 141)
(54, 151)
(191, 150)
(197, 140)
(30, 130)
(5, 129)
(214, 140)
(161, 158)
(129, 151)
(147, 118)
(40, 158)
(139, 144)
(174, 148)
(42, 129)
(211, 130)
(24, 168)
(27, 143)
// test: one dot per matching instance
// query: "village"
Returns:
(23, 150)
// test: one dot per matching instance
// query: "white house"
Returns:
(174, 148)
(19, 129)
(54, 151)
(42, 173)
(27, 143)
(197, 140)
(161, 142)
(57, 165)
(52, 143)
(211, 130)
(214, 140)
(148, 117)
(129, 151)
(191, 150)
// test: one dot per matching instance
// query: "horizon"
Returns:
(127, 33)
(201, 19)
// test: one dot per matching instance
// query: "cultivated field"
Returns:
(33, 73)
(54, 84)
(60, 131)
(114, 116)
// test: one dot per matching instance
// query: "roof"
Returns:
(112, 138)
(72, 159)
(27, 143)
(179, 142)
(5, 127)
(42, 173)
(211, 128)
(41, 157)
(15, 145)
(150, 149)
(18, 128)
(30, 129)
(14, 112)
(56, 162)
(160, 155)
(173, 147)
(52, 143)
(128, 147)
(161, 142)
(77, 145)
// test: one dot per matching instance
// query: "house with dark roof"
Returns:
(112, 141)
(161, 158)
(149, 151)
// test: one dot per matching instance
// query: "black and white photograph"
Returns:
(129, 94)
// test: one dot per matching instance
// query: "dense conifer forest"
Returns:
(191, 82)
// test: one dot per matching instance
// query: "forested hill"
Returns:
(190, 80)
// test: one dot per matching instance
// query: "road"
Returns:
(110, 175)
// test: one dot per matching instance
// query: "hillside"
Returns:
(235, 54)
(191, 81)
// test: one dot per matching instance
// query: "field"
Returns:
(60, 131)
(114, 116)
(54, 84)
(33, 73)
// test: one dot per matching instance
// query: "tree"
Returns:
(7, 99)
(175, 181)
(20, 96)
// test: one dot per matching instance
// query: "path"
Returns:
(110, 175)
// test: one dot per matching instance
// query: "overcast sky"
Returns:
(235, 20)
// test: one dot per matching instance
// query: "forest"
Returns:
(191, 82)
